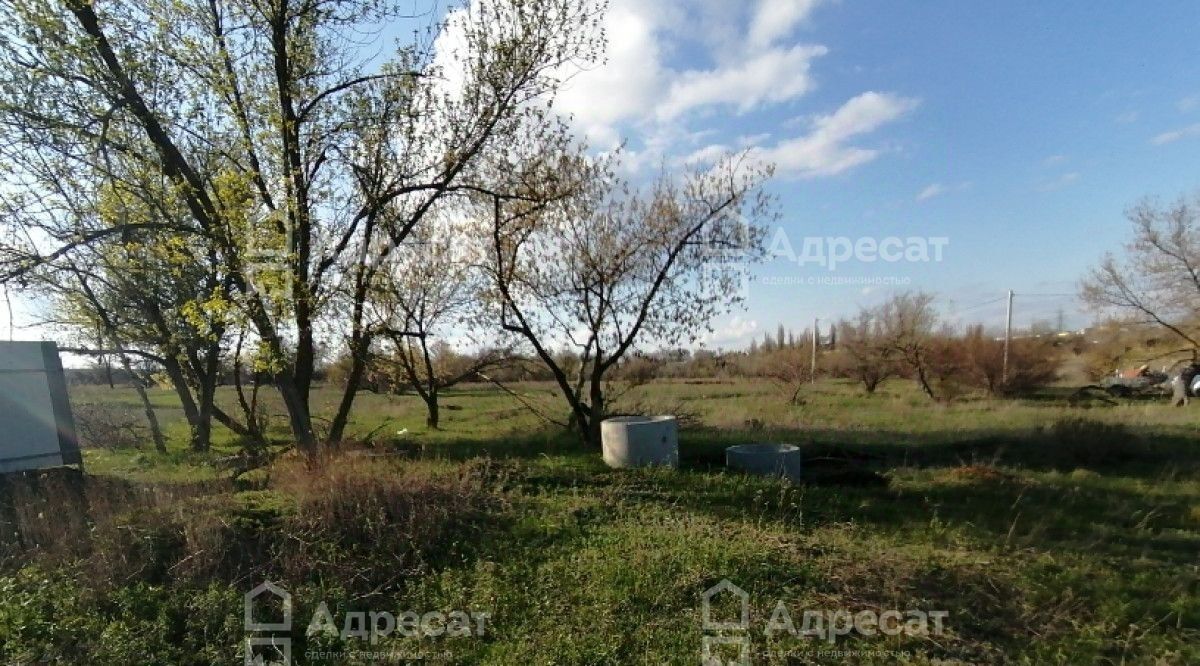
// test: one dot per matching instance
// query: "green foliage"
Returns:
(255, 479)
(54, 617)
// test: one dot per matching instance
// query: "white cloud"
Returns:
(753, 139)
(630, 82)
(1054, 159)
(1127, 118)
(774, 76)
(931, 191)
(938, 189)
(713, 152)
(735, 332)
(1176, 135)
(739, 59)
(636, 84)
(1189, 103)
(776, 18)
(1065, 180)
(824, 151)
(449, 47)
(707, 155)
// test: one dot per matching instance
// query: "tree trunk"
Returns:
(202, 433)
(160, 443)
(303, 367)
(923, 381)
(233, 424)
(208, 396)
(202, 440)
(432, 416)
(298, 416)
(358, 367)
(590, 427)
(254, 431)
(190, 411)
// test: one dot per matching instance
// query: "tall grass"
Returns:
(365, 523)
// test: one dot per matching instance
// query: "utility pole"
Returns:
(1007, 338)
(813, 365)
(8, 302)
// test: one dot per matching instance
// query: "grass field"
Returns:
(1047, 533)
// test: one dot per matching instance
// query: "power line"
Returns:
(1049, 294)
(962, 315)
(983, 304)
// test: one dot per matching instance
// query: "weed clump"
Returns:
(977, 473)
(365, 523)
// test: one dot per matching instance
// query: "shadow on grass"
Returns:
(1132, 452)
(1066, 515)
(1094, 501)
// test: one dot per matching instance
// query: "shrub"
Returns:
(109, 426)
(253, 479)
(55, 617)
(363, 522)
(354, 511)
(638, 370)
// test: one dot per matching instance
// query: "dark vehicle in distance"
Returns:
(1143, 381)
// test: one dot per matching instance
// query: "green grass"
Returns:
(1049, 533)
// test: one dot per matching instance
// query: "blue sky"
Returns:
(1020, 131)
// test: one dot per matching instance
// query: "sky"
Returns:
(1016, 134)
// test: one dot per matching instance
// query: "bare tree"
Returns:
(1157, 281)
(602, 268)
(1032, 362)
(907, 322)
(863, 353)
(431, 291)
(790, 367)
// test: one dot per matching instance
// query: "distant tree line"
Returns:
(903, 338)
